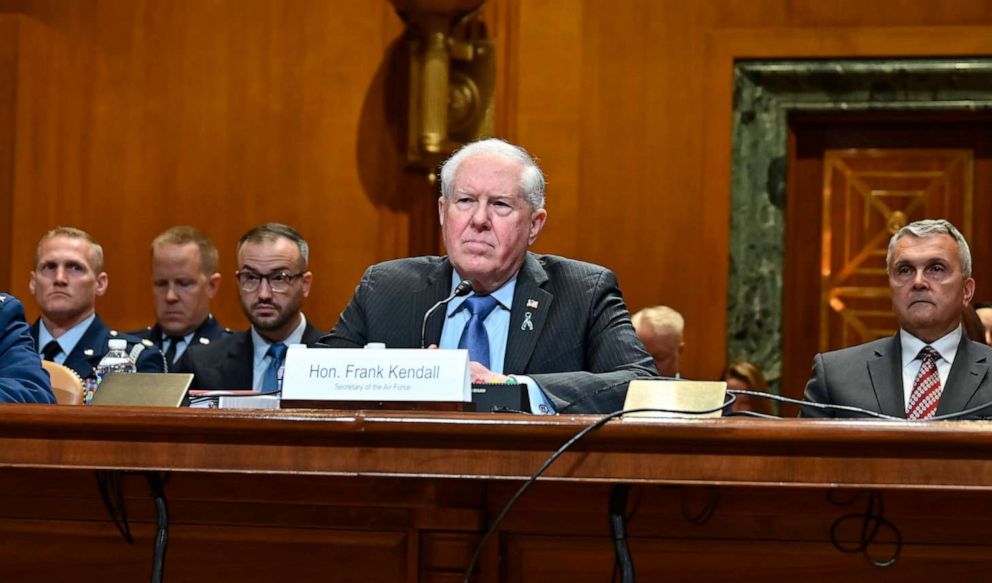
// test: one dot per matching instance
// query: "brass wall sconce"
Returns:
(451, 75)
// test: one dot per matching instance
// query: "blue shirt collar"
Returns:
(503, 296)
(261, 345)
(69, 339)
(946, 345)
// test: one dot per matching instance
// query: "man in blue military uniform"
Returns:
(184, 280)
(22, 380)
(67, 278)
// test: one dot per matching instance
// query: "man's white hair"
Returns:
(531, 177)
(659, 319)
(928, 228)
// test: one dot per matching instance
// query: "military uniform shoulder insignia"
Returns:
(204, 340)
(113, 333)
(147, 342)
(3, 298)
(88, 352)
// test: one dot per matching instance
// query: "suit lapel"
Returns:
(884, 370)
(966, 375)
(240, 366)
(89, 350)
(528, 315)
(155, 335)
(310, 334)
(436, 287)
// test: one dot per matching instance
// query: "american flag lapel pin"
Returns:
(532, 303)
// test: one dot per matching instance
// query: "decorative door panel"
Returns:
(869, 194)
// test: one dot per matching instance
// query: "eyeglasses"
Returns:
(278, 282)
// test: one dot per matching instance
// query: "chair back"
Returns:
(66, 384)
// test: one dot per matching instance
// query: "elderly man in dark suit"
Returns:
(273, 280)
(557, 324)
(929, 367)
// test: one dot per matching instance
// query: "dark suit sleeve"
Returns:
(613, 356)
(151, 360)
(351, 329)
(185, 364)
(22, 379)
(817, 391)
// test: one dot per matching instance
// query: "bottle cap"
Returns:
(118, 344)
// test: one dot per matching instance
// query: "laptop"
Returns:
(142, 389)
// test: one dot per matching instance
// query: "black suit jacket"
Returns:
(869, 376)
(94, 345)
(228, 363)
(582, 349)
(206, 333)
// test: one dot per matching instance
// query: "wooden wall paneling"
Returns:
(554, 54)
(36, 56)
(222, 116)
(606, 98)
(8, 108)
(503, 21)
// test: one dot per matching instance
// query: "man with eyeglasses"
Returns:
(184, 280)
(272, 281)
(929, 368)
(67, 278)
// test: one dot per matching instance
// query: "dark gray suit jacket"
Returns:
(228, 364)
(869, 376)
(582, 349)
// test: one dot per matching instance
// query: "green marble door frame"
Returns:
(765, 92)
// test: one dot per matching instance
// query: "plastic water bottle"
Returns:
(116, 360)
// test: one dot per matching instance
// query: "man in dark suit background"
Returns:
(67, 278)
(272, 281)
(184, 280)
(22, 379)
(929, 367)
(557, 324)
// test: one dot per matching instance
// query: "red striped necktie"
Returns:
(926, 388)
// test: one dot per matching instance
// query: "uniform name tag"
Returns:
(346, 374)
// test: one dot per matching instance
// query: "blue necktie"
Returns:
(475, 338)
(270, 382)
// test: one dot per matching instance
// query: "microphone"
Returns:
(462, 289)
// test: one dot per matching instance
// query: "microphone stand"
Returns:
(463, 289)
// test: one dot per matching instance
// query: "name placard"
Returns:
(399, 374)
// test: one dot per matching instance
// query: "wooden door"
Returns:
(853, 181)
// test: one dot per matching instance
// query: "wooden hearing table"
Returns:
(308, 495)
